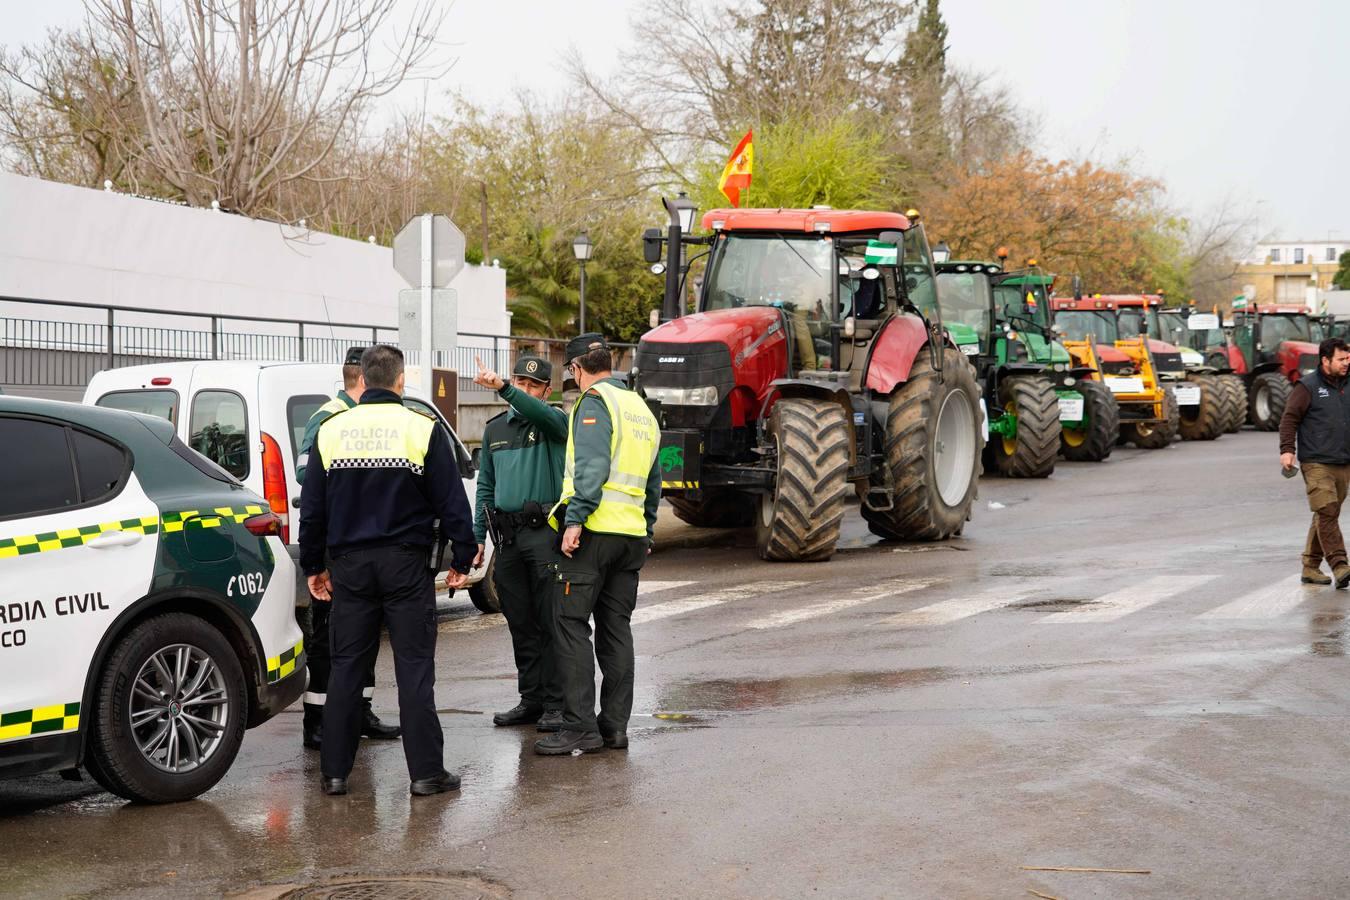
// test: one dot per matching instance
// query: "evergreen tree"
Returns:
(925, 71)
(1341, 280)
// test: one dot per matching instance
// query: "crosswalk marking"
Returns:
(655, 587)
(858, 597)
(947, 611)
(1122, 602)
(702, 601)
(1267, 602)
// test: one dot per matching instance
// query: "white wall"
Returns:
(1313, 251)
(59, 242)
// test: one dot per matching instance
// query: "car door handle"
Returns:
(114, 539)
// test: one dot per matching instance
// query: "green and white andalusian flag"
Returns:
(879, 254)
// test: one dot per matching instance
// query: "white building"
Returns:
(1298, 253)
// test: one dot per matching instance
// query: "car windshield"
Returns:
(965, 299)
(1099, 326)
(1276, 329)
(795, 272)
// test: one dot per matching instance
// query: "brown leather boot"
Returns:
(1314, 576)
(1342, 573)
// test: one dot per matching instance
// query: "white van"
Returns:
(249, 418)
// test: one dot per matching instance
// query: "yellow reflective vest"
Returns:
(635, 439)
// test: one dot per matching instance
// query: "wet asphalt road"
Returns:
(1116, 668)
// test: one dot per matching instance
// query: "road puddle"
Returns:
(1327, 634)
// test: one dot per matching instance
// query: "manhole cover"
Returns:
(402, 887)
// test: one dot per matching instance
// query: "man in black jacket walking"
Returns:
(1317, 417)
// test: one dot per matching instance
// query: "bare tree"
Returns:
(240, 98)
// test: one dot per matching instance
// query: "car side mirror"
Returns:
(651, 245)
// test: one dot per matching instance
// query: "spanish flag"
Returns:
(736, 175)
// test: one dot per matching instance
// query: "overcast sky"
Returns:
(1241, 98)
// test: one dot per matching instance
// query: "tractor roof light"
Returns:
(1001, 253)
(820, 227)
(912, 214)
(719, 224)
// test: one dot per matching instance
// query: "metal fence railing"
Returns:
(51, 351)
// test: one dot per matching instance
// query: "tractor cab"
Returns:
(1275, 337)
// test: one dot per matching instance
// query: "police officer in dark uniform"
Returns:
(605, 518)
(519, 480)
(316, 642)
(380, 500)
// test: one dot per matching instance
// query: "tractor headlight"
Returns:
(1070, 381)
(673, 396)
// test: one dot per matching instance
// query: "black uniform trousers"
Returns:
(319, 661)
(600, 580)
(523, 575)
(393, 585)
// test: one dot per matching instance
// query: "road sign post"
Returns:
(429, 253)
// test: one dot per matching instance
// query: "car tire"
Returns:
(114, 754)
(483, 595)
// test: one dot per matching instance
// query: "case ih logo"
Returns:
(671, 359)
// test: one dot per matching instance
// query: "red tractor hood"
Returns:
(737, 328)
(1108, 353)
(1162, 346)
(1298, 347)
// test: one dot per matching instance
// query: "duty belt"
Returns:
(505, 525)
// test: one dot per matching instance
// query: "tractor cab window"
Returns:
(917, 264)
(1172, 328)
(1097, 326)
(861, 297)
(1131, 323)
(1275, 330)
(793, 272)
(1020, 303)
(965, 300)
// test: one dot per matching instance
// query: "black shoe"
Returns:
(564, 742)
(313, 739)
(551, 720)
(520, 714)
(616, 741)
(334, 787)
(372, 727)
(425, 787)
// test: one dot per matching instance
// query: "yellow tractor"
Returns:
(1149, 415)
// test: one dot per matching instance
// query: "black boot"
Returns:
(313, 727)
(564, 742)
(372, 727)
(520, 714)
(551, 720)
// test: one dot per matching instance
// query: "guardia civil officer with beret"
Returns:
(316, 641)
(606, 515)
(379, 502)
(519, 479)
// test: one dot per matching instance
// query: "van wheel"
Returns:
(168, 711)
(484, 593)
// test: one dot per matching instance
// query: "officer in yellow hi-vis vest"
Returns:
(383, 477)
(610, 491)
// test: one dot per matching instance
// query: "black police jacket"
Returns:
(364, 503)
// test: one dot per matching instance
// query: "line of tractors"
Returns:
(833, 354)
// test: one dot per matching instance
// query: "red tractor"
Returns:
(1271, 348)
(815, 365)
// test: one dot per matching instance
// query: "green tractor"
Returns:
(1037, 403)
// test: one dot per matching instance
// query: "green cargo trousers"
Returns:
(523, 574)
(1326, 493)
(600, 580)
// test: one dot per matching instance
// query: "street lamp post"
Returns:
(942, 253)
(681, 211)
(582, 248)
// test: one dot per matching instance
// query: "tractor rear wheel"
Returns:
(1206, 420)
(1237, 402)
(799, 519)
(1156, 435)
(933, 443)
(1101, 425)
(1033, 404)
(1265, 405)
(717, 509)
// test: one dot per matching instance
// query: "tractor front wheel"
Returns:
(1033, 406)
(1237, 403)
(1206, 420)
(1156, 435)
(933, 443)
(1096, 435)
(1269, 394)
(799, 519)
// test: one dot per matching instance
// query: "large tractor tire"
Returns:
(933, 445)
(1156, 435)
(1237, 402)
(799, 519)
(717, 509)
(1206, 421)
(1032, 402)
(1101, 425)
(1266, 401)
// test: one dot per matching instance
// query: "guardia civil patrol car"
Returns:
(146, 603)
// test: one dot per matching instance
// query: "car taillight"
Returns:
(274, 484)
(265, 524)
